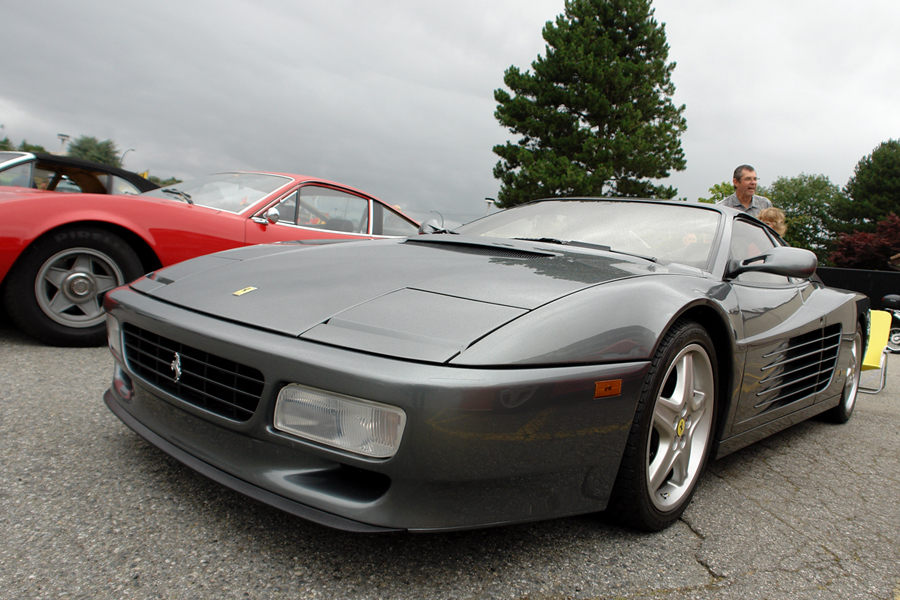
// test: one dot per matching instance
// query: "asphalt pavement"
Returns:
(90, 511)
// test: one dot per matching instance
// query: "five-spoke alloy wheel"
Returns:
(681, 428)
(55, 290)
(672, 431)
(842, 412)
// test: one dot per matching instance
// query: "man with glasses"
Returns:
(744, 197)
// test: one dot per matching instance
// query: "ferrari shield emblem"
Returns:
(246, 290)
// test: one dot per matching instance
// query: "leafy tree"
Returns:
(5, 144)
(807, 201)
(873, 191)
(596, 116)
(718, 192)
(163, 182)
(26, 147)
(90, 148)
(865, 250)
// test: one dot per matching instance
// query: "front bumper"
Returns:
(481, 447)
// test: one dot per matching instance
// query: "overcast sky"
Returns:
(395, 97)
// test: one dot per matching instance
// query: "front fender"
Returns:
(616, 321)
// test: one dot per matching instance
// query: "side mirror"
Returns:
(782, 260)
(430, 226)
(272, 215)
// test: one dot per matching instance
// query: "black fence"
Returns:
(874, 284)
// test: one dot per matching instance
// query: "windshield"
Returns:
(5, 156)
(667, 232)
(233, 192)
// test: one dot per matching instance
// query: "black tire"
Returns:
(894, 340)
(55, 290)
(843, 411)
(671, 434)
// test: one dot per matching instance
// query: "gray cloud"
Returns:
(395, 96)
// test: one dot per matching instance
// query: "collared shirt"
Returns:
(757, 204)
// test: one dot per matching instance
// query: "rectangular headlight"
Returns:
(351, 424)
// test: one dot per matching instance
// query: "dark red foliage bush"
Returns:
(862, 250)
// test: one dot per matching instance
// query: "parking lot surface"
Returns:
(89, 510)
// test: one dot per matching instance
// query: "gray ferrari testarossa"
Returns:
(562, 357)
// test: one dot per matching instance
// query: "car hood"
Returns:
(422, 298)
(13, 191)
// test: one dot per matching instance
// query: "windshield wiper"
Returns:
(644, 256)
(588, 245)
(547, 240)
(429, 228)
(183, 195)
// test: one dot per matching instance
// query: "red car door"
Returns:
(312, 212)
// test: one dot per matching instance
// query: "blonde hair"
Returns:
(774, 218)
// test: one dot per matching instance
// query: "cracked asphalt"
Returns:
(89, 510)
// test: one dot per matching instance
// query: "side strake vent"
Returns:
(804, 367)
(483, 250)
(219, 385)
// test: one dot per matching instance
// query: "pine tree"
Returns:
(596, 116)
(872, 193)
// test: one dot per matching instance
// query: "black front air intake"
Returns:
(216, 384)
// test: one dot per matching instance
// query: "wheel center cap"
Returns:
(79, 287)
(680, 428)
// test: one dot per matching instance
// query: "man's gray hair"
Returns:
(739, 172)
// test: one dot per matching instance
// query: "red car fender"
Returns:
(174, 231)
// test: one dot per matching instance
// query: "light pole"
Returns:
(63, 138)
(489, 202)
(122, 160)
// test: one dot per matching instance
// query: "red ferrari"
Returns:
(60, 254)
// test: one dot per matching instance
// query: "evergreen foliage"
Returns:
(873, 192)
(595, 117)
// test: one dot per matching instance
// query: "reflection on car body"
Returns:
(561, 357)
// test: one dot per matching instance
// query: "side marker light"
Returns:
(607, 389)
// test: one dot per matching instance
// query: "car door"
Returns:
(790, 354)
(313, 212)
(320, 212)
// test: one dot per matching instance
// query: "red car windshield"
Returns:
(233, 192)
